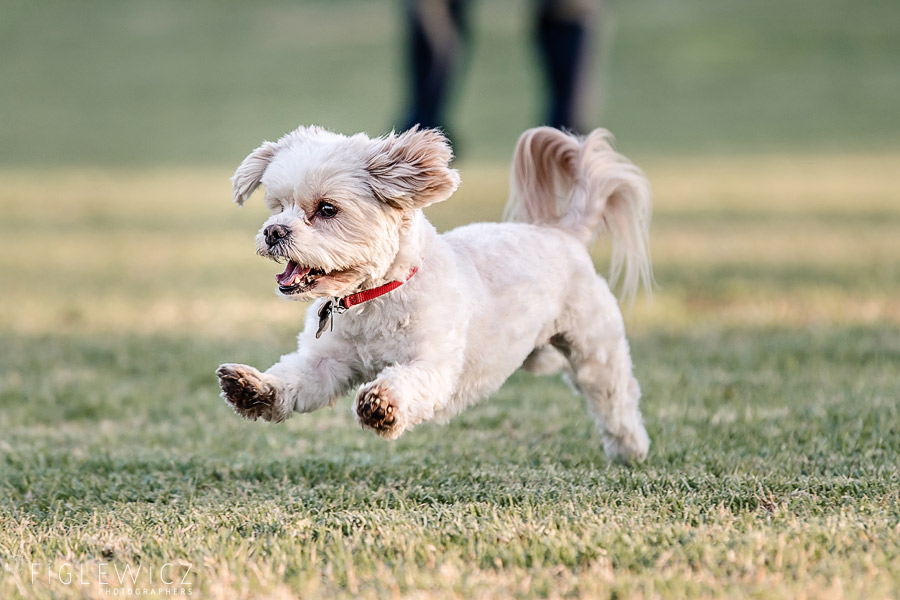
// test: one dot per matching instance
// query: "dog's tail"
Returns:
(582, 185)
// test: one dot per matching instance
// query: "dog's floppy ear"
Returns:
(247, 177)
(412, 170)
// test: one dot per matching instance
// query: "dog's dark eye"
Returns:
(326, 209)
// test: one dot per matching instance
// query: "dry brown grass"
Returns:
(165, 250)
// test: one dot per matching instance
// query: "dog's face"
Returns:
(341, 205)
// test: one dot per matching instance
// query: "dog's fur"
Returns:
(486, 299)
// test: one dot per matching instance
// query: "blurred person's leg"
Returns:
(437, 32)
(563, 31)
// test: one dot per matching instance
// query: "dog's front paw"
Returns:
(246, 390)
(377, 409)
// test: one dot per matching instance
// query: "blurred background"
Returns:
(770, 131)
(131, 83)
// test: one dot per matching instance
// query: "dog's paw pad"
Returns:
(244, 389)
(377, 409)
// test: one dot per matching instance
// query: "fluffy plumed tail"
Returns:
(582, 185)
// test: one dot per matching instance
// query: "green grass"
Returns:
(767, 361)
(773, 471)
(125, 82)
(767, 358)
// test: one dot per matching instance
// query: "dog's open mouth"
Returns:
(296, 278)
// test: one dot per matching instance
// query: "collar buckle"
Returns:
(337, 306)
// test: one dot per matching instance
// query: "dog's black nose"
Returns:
(275, 233)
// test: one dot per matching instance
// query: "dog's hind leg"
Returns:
(595, 345)
(546, 360)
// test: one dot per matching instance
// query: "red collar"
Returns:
(366, 295)
(334, 306)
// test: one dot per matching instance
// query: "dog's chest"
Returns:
(379, 339)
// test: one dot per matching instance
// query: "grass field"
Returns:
(767, 359)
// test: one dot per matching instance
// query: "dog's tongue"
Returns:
(292, 272)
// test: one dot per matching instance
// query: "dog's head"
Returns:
(341, 205)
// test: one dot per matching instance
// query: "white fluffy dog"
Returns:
(425, 324)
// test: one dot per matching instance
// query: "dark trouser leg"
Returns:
(563, 37)
(437, 33)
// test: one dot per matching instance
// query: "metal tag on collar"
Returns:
(325, 320)
(326, 315)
